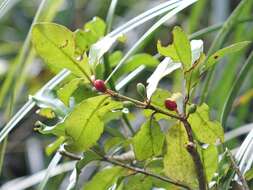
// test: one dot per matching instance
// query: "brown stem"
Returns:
(192, 149)
(123, 165)
(237, 170)
(145, 105)
(140, 170)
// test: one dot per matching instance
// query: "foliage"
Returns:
(171, 148)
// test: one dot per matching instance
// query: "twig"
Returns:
(191, 148)
(70, 155)
(123, 165)
(139, 170)
(145, 105)
(237, 170)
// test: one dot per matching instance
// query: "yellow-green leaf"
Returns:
(209, 156)
(55, 45)
(178, 164)
(105, 179)
(168, 51)
(205, 130)
(213, 59)
(85, 124)
(182, 46)
(67, 90)
(148, 141)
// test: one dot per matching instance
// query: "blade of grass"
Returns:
(218, 42)
(195, 16)
(144, 17)
(216, 27)
(109, 20)
(236, 88)
(98, 49)
(149, 32)
(29, 181)
(30, 104)
(20, 61)
(110, 15)
(51, 167)
(234, 61)
(2, 153)
(238, 132)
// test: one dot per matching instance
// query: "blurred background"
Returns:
(25, 153)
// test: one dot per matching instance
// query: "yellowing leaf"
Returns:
(148, 141)
(55, 45)
(178, 164)
(205, 130)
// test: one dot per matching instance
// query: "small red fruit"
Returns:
(170, 104)
(99, 85)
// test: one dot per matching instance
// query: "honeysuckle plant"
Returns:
(184, 153)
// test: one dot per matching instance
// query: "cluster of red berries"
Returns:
(101, 87)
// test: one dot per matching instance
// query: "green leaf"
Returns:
(97, 26)
(209, 157)
(158, 96)
(213, 59)
(105, 179)
(168, 51)
(57, 130)
(93, 30)
(182, 46)
(88, 157)
(249, 174)
(157, 100)
(55, 45)
(138, 182)
(135, 61)
(178, 164)
(205, 130)
(148, 141)
(112, 143)
(115, 57)
(53, 147)
(85, 123)
(67, 90)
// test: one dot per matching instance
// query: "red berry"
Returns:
(170, 104)
(99, 85)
